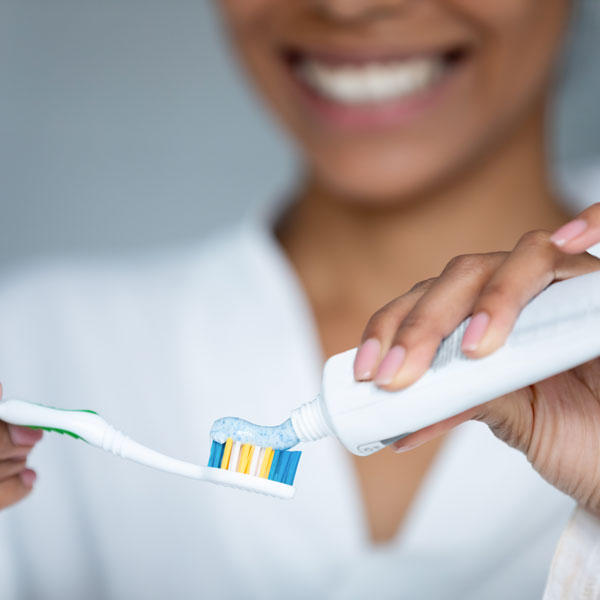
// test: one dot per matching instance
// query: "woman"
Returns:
(422, 124)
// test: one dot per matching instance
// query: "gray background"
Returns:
(125, 124)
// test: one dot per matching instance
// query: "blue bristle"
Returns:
(290, 472)
(283, 463)
(284, 472)
(291, 468)
(219, 456)
(276, 456)
(216, 452)
(293, 473)
(213, 450)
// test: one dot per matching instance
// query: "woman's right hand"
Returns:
(555, 422)
(16, 480)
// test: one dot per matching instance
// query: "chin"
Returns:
(382, 182)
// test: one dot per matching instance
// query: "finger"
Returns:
(509, 417)
(533, 265)
(16, 487)
(24, 436)
(446, 304)
(380, 329)
(581, 233)
(418, 438)
(8, 468)
(18, 436)
(17, 442)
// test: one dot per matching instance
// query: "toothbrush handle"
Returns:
(93, 429)
(122, 445)
(81, 424)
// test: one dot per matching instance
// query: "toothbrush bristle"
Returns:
(266, 463)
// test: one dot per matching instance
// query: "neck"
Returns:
(372, 253)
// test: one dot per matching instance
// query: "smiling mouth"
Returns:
(372, 84)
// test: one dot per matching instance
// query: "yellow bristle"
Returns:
(266, 463)
(271, 456)
(249, 461)
(243, 464)
(226, 453)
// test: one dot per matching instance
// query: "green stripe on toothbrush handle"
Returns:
(64, 431)
(55, 430)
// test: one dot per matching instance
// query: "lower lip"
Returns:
(386, 114)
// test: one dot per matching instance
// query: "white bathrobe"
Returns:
(163, 345)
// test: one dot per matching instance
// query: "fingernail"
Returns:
(366, 359)
(28, 477)
(475, 331)
(390, 365)
(401, 449)
(24, 436)
(568, 232)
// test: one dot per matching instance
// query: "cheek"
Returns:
(518, 54)
(494, 14)
(240, 12)
(519, 37)
(253, 26)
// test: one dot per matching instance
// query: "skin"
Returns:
(383, 207)
(556, 422)
(16, 480)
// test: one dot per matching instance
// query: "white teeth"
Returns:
(370, 83)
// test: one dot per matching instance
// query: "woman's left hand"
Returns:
(555, 422)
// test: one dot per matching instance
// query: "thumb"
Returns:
(509, 417)
(418, 438)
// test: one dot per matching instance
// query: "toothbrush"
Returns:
(556, 331)
(254, 472)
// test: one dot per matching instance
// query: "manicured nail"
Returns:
(390, 365)
(568, 232)
(24, 436)
(28, 477)
(401, 449)
(366, 359)
(475, 331)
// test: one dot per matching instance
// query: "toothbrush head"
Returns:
(253, 468)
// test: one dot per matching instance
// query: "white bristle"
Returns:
(235, 456)
(256, 460)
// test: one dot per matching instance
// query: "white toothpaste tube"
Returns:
(556, 331)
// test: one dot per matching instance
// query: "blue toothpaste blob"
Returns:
(280, 437)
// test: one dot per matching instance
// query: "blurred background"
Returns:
(125, 124)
